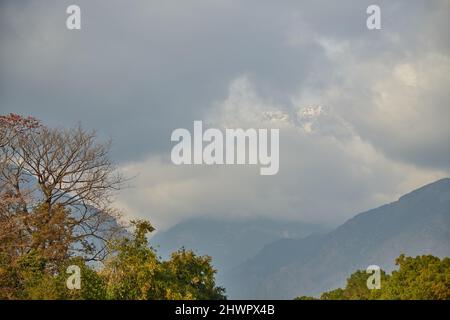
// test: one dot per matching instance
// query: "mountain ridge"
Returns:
(228, 242)
(376, 236)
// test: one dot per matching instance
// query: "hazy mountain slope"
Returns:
(418, 223)
(229, 242)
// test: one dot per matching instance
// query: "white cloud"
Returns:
(138, 70)
(399, 104)
(324, 177)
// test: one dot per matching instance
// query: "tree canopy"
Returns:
(56, 212)
(423, 277)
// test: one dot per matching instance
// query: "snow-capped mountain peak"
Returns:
(311, 111)
(321, 120)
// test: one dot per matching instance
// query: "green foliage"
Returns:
(421, 278)
(31, 279)
(305, 298)
(356, 288)
(27, 278)
(93, 285)
(337, 294)
(190, 277)
(424, 277)
(55, 196)
(135, 272)
(132, 270)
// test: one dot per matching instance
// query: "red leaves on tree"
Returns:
(19, 123)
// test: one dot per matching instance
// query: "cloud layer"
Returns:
(363, 115)
(327, 171)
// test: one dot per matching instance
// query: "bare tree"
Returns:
(57, 177)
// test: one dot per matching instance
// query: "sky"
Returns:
(363, 114)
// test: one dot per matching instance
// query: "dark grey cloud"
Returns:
(139, 69)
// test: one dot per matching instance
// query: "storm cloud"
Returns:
(137, 70)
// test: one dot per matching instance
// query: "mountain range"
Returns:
(418, 223)
(229, 242)
(268, 259)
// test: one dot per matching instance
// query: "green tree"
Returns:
(132, 267)
(356, 288)
(56, 189)
(337, 294)
(188, 276)
(424, 277)
(418, 278)
(30, 279)
(93, 284)
(305, 298)
(134, 271)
